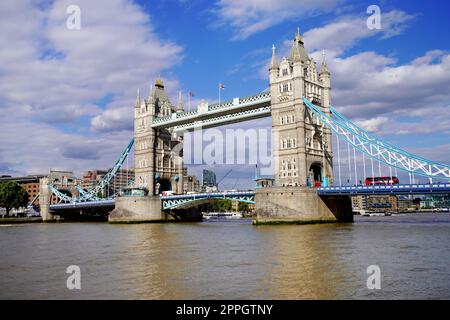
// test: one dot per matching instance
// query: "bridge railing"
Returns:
(213, 108)
(396, 188)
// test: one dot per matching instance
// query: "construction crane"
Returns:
(226, 174)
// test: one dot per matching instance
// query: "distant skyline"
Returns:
(67, 96)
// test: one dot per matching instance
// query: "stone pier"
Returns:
(136, 209)
(45, 195)
(299, 205)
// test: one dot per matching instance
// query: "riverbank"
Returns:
(11, 220)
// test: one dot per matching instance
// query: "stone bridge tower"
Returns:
(302, 147)
(158, 154)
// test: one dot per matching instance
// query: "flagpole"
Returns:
(189, 101)
(219, 93)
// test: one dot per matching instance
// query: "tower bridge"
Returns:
(303, 126)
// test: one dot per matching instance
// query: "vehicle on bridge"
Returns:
(167, 193)
(381, 181)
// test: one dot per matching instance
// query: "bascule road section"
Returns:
(306, 186)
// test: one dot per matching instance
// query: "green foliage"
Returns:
(12, 196)
(222, 205)
(242, 206)
(217, 206)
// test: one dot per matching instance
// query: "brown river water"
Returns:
(229, 259)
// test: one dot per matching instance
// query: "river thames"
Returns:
(229, 259)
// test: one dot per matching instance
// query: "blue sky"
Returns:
(66, 96)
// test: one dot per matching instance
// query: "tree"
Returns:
(12, 196)
(243, 207)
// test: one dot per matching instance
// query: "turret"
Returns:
(324, 74)
(180, 102)
(137, 104)
(273, 68)
(298, 52)
(324, 77)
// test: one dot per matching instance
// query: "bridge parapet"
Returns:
(388, 189)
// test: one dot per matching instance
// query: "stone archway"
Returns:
(164, 185)
(316, 172)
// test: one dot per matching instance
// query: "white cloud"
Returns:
(373, 124)
(250, 17)
(52, 80)
(342, 34)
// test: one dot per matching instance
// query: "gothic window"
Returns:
(285, 87)
(290, 86)
(288, 143)
(305, 71)
(281, 120)
(285, 72)
(292, 118)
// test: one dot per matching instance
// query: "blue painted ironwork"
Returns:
(185, 200)
(236, 110)
(378, 149)
(111, 173)
(396, 189)
(83, 205)
(92, 194)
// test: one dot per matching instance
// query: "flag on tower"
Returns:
(191, 94)
(221, 86)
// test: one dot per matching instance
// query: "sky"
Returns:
(66, 96)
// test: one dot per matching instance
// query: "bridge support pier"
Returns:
(137, 209)
(299, 205)
(45, 195)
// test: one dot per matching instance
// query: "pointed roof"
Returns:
(274, 61)
(138, 99)
(298, 51)
(180, 102)
(324, 67)
(159, 95)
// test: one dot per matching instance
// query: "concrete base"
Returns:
(137, 209)
(299, 205)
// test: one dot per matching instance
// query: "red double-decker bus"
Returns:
(381, 181)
